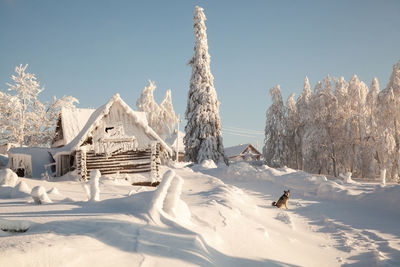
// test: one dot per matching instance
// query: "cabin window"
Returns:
(108, 129)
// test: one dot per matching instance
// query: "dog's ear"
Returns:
(288, 191)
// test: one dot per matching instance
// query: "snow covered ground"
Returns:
(202, 216)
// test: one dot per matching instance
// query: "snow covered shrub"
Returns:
(94, 185)
(8, 177)
(39, 195)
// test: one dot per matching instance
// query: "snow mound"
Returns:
(21, 190)
(39, 195)
(8, 177)
(173, 204)
(53, 191)
(205, 165)
(14, 226)
(166, 200)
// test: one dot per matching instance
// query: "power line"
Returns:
(250, 131)
(238, 134)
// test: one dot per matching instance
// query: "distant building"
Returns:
(245, 152)
(176, 141)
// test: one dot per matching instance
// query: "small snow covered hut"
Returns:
(70, 122)
(31, 161)
(115, 139)
(242, 152)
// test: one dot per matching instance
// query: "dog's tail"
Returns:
(274, 203)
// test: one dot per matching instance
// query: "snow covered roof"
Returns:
(72, 122)
(95, 120)
(237, 150)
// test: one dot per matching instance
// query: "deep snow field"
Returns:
(202, 216)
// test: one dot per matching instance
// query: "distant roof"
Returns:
(72, 122)
(237, 150)
(98, 114)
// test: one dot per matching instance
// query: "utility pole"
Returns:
(177, 139)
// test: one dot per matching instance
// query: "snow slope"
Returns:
(202, 216)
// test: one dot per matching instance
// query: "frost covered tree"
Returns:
(203, 138)
(318, 143)
(388, 119)
(304, 113)
(24, 119)
(26, 89)
(146, 103)
(274, 143)
(168, 115)
(371, 131)
(351, 129)
(46, 117)
(161, 118)
(292, 142)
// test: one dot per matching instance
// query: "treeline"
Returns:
(339, 127)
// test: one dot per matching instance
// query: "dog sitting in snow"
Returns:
(283, 200)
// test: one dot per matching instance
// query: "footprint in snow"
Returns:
(284, 217)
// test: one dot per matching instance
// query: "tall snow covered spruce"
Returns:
(203, 139)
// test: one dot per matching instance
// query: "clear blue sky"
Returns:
(93, 49)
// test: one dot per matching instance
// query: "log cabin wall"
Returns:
(128, 162)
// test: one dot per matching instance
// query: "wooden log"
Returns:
(154, 184)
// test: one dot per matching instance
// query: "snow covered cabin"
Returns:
(70, 122)
(115, 139)
(242, 152)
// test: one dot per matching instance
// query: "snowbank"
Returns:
(166, 200)
(8, 177)
(301, 183)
